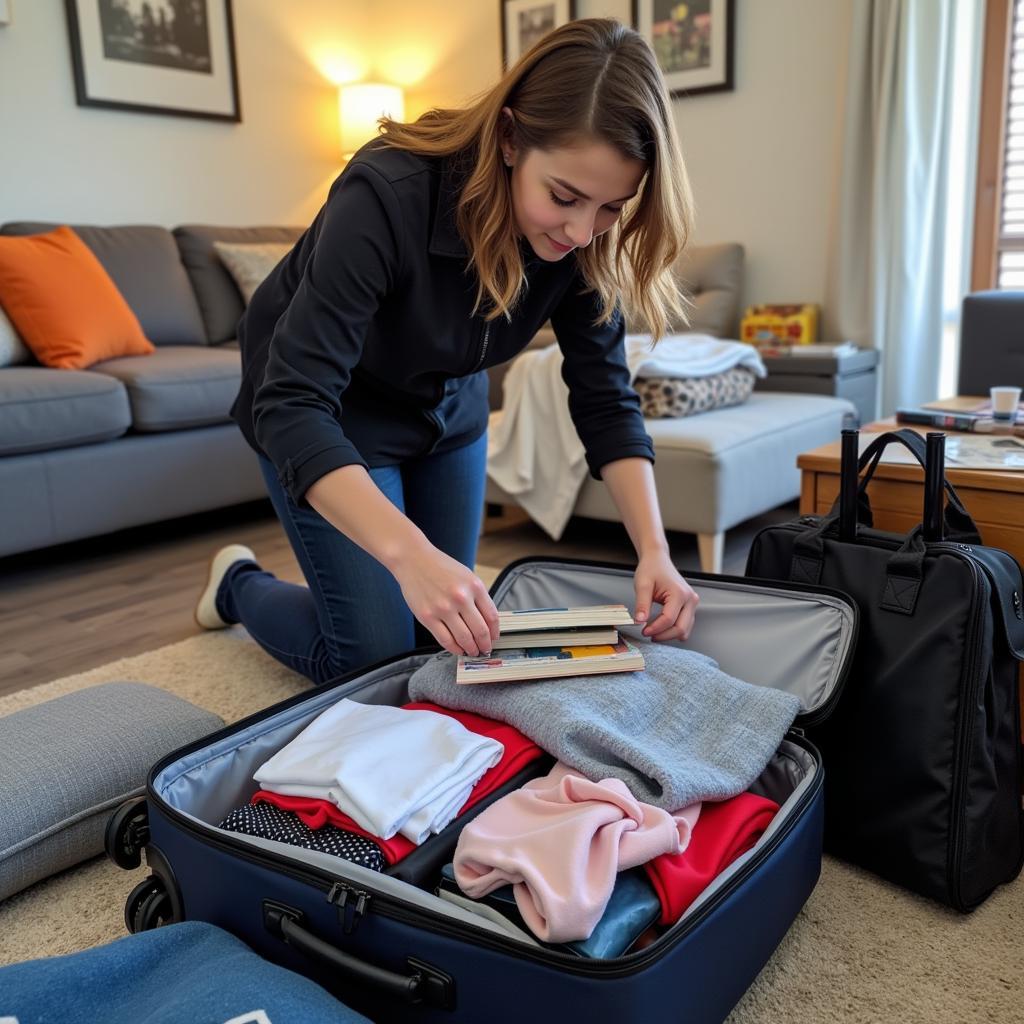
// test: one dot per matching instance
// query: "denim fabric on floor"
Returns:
(353, 612)
(178, 974)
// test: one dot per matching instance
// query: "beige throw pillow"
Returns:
(250, 262)
(13, 351)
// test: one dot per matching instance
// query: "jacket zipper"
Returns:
(345, 895)
(483, 346)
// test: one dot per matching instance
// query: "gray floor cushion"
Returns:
(66, 764)
(178, 386)
(42, 408)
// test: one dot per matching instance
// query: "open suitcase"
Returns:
(389, 947)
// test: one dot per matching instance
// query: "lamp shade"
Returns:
(360, 105)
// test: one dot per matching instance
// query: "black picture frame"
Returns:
(511, 47)
(686, 82)
(84, 16)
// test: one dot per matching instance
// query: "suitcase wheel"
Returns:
(148, 906)
(127, 833)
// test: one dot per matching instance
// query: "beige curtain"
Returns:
(886, 272)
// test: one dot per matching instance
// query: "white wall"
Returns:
(80, 164)
(763, 158)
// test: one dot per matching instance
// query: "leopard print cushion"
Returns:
(662, 397)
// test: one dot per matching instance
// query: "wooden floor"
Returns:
(71, 608)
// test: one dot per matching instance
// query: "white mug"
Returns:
(1004, 403)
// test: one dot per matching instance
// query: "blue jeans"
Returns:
(353, 612)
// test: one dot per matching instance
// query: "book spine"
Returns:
(949, 420)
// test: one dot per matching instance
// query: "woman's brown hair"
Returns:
(592, 79)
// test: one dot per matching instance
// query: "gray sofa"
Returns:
(718, 469)
(135, 440)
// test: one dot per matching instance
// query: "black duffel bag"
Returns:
(922, 753)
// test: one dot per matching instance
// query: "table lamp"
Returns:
(360, 104)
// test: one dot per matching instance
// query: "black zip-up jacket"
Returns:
(361, 345)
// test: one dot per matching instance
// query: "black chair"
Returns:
(991, 342)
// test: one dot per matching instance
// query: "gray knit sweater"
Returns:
(677, 732)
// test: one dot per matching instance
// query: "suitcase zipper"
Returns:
(341, 894)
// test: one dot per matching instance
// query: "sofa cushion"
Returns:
(43, 409)
(220, 300)
(13, 351)
(63, 302)
(66, 765)
(711, 277)
(249, 263)
(178, 386)
(143, 262)
(719, 469)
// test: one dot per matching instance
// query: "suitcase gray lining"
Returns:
(773, 637)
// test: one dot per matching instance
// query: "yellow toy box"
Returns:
(790, 325)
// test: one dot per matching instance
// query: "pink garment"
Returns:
(560, 841)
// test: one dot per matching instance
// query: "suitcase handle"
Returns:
(854, 506)
(424, 983)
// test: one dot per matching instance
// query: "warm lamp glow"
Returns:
(360, 105)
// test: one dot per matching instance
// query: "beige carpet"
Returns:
(861, 951)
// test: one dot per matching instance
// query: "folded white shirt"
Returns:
(391, 770)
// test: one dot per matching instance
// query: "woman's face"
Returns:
(563, 198)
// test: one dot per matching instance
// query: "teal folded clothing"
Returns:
(632, 909)
(178, 974)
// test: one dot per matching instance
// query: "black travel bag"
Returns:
(922, 754)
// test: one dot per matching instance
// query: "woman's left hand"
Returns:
(658, 581)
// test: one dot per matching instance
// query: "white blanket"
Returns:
(533, 450)
(389, 769)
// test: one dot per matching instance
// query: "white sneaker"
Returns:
(206, 614)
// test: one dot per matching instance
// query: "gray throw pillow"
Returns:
(66, 764)
(13, 351)
(250, 262)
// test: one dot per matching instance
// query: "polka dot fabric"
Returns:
(270, 822)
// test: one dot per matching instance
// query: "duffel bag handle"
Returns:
(951, 520)
(904, 569)
(422, 985)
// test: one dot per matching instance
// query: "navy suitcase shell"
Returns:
(394, 950)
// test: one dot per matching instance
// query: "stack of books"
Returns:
(834, 350)
(545, 643)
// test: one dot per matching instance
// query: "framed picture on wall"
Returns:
(156, 56)
(524, 22)
(692, 40)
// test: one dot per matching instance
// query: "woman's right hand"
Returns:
(449, 600)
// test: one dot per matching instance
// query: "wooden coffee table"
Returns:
(995, 500)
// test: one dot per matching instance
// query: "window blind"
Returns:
(1011, 214)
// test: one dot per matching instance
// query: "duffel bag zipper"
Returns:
(361, 899)
(965, 730)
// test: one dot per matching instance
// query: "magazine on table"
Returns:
(1001, 453)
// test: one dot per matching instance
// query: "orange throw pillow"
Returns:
(63, 303)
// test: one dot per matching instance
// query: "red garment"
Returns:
(519, 752)
(724, 830)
